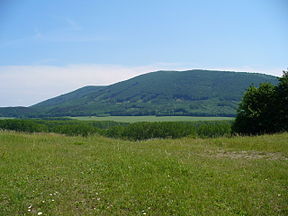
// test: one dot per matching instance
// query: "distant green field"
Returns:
(132, 119)
(6, 118)
(49, 174)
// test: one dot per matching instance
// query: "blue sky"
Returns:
(51, 47)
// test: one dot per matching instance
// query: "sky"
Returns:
(51, 47)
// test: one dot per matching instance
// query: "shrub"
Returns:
(22, 125)
(264, 109)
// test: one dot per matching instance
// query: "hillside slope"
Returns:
(193, 92)
(65, 99)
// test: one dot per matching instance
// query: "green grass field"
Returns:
(60, 175)
(132, 119)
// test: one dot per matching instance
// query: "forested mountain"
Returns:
(66, 99)
(193, 92)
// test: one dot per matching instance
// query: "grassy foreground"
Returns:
(59, 175)
(133, 119)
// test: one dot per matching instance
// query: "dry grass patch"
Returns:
(252, 155)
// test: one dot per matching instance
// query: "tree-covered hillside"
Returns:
(193, 92)
(65, 99)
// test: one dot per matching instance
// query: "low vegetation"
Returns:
(134, 131)
(52, 174)
(149, 130)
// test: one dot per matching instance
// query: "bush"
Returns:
(264, 109)
(22, 125)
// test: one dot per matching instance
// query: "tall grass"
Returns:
(68, 127)
(134, 131)
(150, 130)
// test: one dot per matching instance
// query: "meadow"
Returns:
(53, 174)
(133, 119)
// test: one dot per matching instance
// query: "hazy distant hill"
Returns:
(194, 92)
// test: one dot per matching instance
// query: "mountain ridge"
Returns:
(191, 92)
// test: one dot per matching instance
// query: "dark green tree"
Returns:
(282, 103)
(264, 109)
(255, 111)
